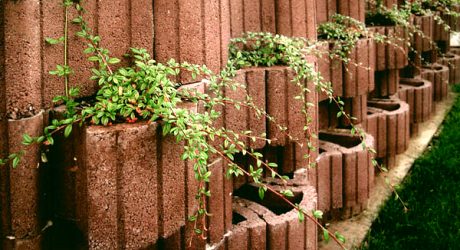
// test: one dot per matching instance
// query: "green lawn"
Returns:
(432, 191)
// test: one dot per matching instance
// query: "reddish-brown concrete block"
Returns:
(397, 125)
(284, 231)
(359, 73)
(113, 26)
(20, 215)
(452, 61)
(386, 82)
(22, 47)
(276, 104)
(256, 88)
(417, 93)
(324, 9)
(347, 178)
(393, 55)
(355, 107)
(331, 70)
(352, 8)
(441, 33)
(285, 17)
(248, 231)
(453, 21)
(422, 39)
(438, 75)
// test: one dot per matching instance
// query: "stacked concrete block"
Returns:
(20, 188)
(352, 8)
(417, 93)
(441, 33)
(344, 176)
(438, 75)
(285, 17)
(452, 61)
(389, 123)
(283, 228)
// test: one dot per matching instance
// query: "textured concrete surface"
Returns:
(356, 228)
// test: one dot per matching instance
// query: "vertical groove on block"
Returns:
(53, 27)
(283, 17)
(212, 31)
(276, 106)
(225, 30)
(255, 80)
(251, 14)
(173, 186)
(268, 16)
(77, 59)
(113, 25)
(216, 204)
(137, 181)
(22, 55)
(102, 188)
(237, 17)
(299, 19)
(141, 13)
(23, 208)
(166, 30)
(191, 34)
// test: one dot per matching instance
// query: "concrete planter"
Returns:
(452, 61)
(390, 126)
(344, 175)
(356, 107)
(393, 55)
(438, 75)
(352, 8)
(425, 24)
(357, 77)
(417, 93)
(289, 18)
(21, 188)
(284, 231)
(386, 83)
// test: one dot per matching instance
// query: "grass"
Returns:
(432, 193)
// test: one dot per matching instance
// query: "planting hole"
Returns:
(347, 141)
(237, 218)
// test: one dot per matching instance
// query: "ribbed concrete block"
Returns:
(422, 40)
(454, 22)
(438, 75)
(352, 8)
(441, 32)
(397, 123)
(392, 55)
(22, 48)
(417, 93)
(248, 230)
(343, 160)
(284, 231)
(355, 107)
(386, 83)
(452, 61)
(331, 70)
(192, 31)
(19, 201)
(285, 17)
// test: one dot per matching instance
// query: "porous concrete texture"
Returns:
(355, 229)
(353, 8)
(285, 17)
(438, 75)
(417, 93)
(357, 175)
(20, 216)
(392, 55)
(422, 40)
(392, 127)
(452, 61)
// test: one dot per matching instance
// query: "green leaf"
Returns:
(340, 237)
(261, 193)
(326, 235)
(44, 158)
(26, 139)
(300, 215)
(16, 161)
(113, 60)
(53, 41)
(68, 130)
(287, 193)
(318, 214)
